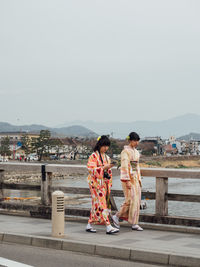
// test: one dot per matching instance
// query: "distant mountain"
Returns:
(75, 130)
(190, 137)
(6, 127)
(177, 126)
(71, 131)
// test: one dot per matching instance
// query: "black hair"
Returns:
(103, 141)
(133, 136)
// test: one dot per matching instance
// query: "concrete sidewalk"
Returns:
(151, 246)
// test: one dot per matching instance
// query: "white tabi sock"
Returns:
(89, 226)
(109, 228)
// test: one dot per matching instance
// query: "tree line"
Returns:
(40, 145)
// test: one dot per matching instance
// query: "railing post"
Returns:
(49, 193)
(161, 196)
(46, 183)
(1, 184)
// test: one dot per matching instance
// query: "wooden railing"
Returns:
(161, 195)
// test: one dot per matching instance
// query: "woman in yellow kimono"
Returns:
(131, 184)
(100, 182)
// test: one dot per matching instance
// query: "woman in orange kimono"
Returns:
(100, 182)
(131, 184)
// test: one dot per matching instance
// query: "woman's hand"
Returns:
(107, 166)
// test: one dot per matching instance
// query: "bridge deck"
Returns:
(163, 247)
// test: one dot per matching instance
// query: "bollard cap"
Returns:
(58, 193)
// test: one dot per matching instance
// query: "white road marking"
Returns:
(8, 263)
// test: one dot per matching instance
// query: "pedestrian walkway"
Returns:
(152, 246)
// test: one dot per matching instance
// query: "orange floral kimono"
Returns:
(99, 188)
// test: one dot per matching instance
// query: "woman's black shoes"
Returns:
(113, 231)
(109, 230)
(91, 230)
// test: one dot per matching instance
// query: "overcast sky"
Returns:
(105, 60)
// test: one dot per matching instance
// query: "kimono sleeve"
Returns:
(124, 166)
(138, 165)
(109, 171)
(93, 168)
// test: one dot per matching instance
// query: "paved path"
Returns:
(162, 247)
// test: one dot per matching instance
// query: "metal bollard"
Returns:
(58, 214)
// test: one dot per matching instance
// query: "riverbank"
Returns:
(177, 162)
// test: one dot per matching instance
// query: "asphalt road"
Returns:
(42, 257)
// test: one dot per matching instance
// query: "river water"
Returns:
(176, 185)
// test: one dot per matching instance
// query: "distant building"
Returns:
(15, 142)
(16, 136)
(169, 150)
(152, 145)
(176, 144)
